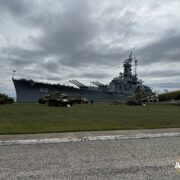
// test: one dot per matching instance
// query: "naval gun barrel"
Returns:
(96, 83)
(82, 85)
(100, 83)
(71, 81)
(75, 83)
(78, 84)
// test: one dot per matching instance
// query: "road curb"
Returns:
(85, 139)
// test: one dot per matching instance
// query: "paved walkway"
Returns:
(139, 159)
(87, 136)
(89, 133)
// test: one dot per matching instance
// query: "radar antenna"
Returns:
(14, 71)
(135, 66)
(130, 56)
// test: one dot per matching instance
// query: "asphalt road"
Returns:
(121, 159)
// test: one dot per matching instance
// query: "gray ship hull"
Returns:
(30, 91)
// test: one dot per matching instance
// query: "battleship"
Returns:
(119, 88)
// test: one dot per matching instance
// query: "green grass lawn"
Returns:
(34, 118)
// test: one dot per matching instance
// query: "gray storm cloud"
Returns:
(60, 40)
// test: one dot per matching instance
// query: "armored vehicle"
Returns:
(63, 99)
(80, 100)
(140, 98)
(44, 99)
(59, 99)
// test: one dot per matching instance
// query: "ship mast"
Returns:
(128, 66)
(135, 66)
(130, 56)
(13, 74)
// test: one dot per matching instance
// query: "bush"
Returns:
(4, 99)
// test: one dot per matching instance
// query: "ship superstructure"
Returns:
(119, 89)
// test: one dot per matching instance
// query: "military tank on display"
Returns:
(119, 88)
(59, 99)
(56, 99)
(81, 100)
(44, 99)
(4, 99)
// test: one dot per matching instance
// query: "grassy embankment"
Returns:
(34, 118)
(173, 95)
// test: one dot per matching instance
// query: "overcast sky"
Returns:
(56, 41)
